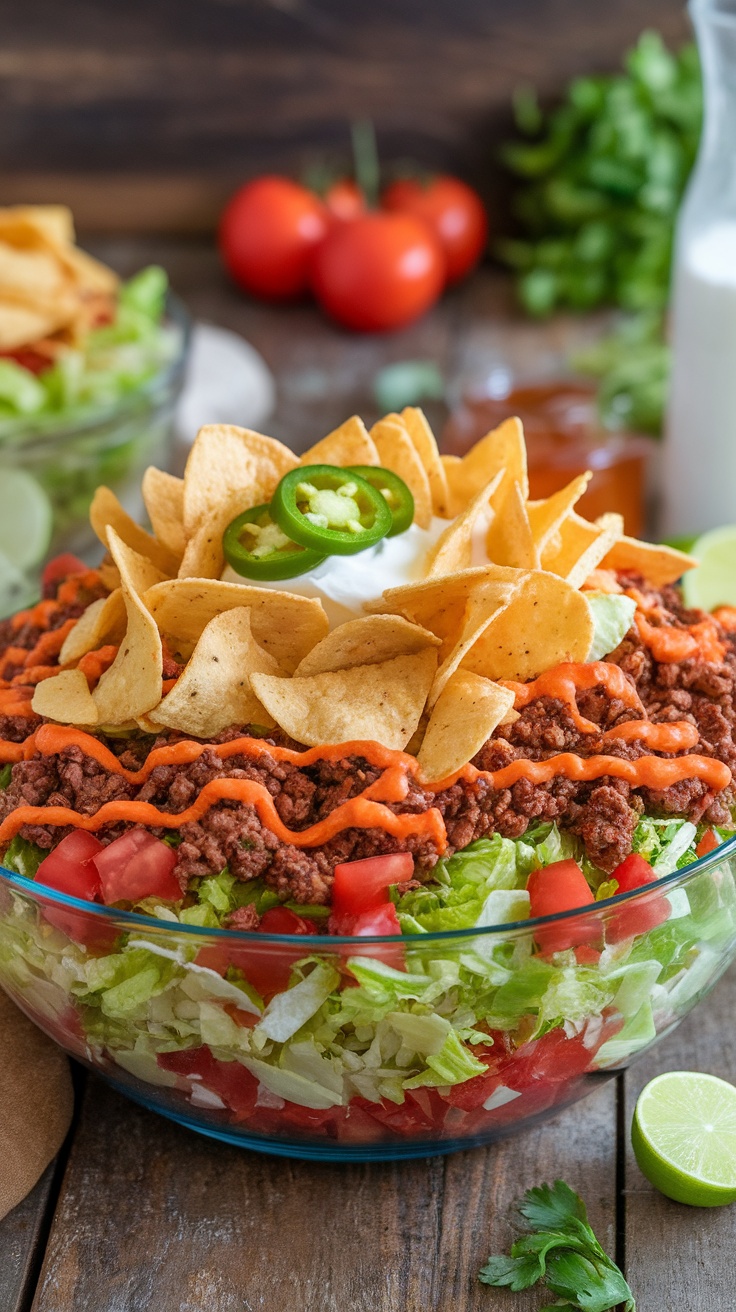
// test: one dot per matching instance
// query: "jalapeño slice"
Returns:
(258, 549)
(393, 490)
(331, 510)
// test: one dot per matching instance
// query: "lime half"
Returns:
(713, 583)
(16, 590)
(684, 1137)
(26, 518)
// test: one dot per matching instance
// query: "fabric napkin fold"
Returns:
(36, 1103)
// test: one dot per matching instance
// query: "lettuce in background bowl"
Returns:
(99, 415)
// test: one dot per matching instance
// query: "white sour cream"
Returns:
(345, 583)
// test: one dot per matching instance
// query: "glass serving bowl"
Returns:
(353, 1056)
(61, 464)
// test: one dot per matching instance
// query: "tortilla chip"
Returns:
(132, 684)
(103, 621)
(350, 444)
(483, 606)
(203, 556)
(214, 690)
(21, 323)
(439, 604)
(35, 276)
(375, 703)
(509, 540)
(397, 452)
(463, 543)
(107, 513)
(463, 718)
(416, 425)
(65, 697)
(53, 222)
(546, 517)
(366, 641)
(578, 548)
(658, 564)
(286, 625)
(163, 496)
(546, 622)
(501, 450)
(230, 469)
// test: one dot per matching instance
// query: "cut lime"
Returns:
(26, 518)
(684, 1137)
(16, 590)
(713, 583)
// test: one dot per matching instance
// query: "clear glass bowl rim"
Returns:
(178, 314)
(322, 942)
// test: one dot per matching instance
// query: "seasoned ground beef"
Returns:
(603, 812)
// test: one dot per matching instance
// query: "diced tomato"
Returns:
(644, 914)
(708, 843)
(281, 920)
(362, 885)
(230, 1080)
(60, 568)
(266, 966)
(70, 867)
(557, 888)
(135, 866)
(585, 955)
(381, 920)
(28, 358)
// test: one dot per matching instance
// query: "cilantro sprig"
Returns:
(560, 1249)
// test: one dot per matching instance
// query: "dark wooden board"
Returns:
(673, 1250)
(151, 1216)
(187, 96)
(22, 1239)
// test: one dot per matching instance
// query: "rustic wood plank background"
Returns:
(144, 114)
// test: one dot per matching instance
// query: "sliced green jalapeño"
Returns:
(257, 548)
(330, 510)
(393, 490)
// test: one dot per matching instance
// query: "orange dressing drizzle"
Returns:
(726, 617)
(365, 811)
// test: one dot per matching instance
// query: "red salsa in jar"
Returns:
(564, 437)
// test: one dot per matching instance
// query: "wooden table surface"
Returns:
(139, 1215)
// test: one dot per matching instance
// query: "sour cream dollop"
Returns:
(345, 583)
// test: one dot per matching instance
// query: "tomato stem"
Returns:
(366, 163)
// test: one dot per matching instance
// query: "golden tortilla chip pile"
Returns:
(49, 288)
(502, 600)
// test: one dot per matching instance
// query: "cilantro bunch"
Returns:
(602, 178)
(561, 1250)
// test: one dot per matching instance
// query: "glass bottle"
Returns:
(699, 465)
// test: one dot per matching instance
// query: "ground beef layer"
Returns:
(603, 813)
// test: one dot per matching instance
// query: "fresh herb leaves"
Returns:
(561, 1250)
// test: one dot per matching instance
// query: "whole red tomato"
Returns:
(268, 231)
(378, 271)
(454, 212)
(344, 199)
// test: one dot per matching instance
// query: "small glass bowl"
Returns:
(144, 1002)
(105, 446)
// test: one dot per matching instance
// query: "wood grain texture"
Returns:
(22, 1239)
(669, 1247)
(151, 1217)
(216, 89)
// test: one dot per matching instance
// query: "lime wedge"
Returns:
(16, 590)
(26, 518)
(713, 583)
(684, 1137)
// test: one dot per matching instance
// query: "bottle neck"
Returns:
(715, 26)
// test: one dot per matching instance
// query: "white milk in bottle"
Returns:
(699, 465)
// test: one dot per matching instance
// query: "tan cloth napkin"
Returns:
(36, 1101)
